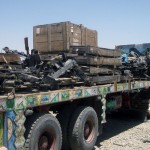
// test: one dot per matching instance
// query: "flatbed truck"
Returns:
(67, 118)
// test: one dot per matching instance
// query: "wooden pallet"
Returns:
(9, 58)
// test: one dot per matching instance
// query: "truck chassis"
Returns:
(21, 114)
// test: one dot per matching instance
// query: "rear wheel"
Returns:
(44, 133)
(83, 129)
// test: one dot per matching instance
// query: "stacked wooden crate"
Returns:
(98, 63)
(79, 43)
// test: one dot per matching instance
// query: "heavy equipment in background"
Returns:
(141, 48)
(136, 60)
(58, 95)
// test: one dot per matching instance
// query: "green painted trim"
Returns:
(24, 101)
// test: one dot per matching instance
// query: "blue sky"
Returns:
(117, 21)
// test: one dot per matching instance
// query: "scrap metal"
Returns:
(38, 74)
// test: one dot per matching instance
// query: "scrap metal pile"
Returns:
(66, 55)
(34, 73)
(103, 65)
(98, 64)
(136, 64)
(82, 65)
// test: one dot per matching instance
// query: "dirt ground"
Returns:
(124, 133)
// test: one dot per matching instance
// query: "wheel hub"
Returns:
(47, 142)
(88, 132)
(43, 143)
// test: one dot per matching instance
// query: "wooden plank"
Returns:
(9, 57)
(57, 45)
(67, 81)
(97, 70)
(91, 37)
(65, 36)
(91, 41)
(41, 39)
(57, 37)
(105, 79)
(34, 37)
(49, 37)
(98, 61)
(75, 34)
(41, 47)
(57, 28)
(96, 51)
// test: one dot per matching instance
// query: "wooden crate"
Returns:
(95, 51)
(97, 70)
(60, 36)
(105, 79)
(98, 61)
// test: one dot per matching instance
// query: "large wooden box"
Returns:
(60, 36)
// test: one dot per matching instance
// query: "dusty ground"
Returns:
(124, 133)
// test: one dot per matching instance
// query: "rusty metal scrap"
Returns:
(138, 65)
(35, 73)
(51, 72)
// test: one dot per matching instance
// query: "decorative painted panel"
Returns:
(14, 129)
(22, 102)
(9, 130)
(20, 129)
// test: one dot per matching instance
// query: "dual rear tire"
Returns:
(79, 128)
(43, 131)
(83, 129)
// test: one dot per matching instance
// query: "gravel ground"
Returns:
(124, 133)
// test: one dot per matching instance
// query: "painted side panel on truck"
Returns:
(12, 115)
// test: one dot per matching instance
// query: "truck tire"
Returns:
(83, 129)
(64, 120)
(43, 133)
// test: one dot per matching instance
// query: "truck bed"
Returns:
(33, 99)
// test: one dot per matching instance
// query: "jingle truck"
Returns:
(60, 117)
(67, 118)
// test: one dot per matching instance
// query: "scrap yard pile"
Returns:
(52, 74)
(67, 55)
(135, 64)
